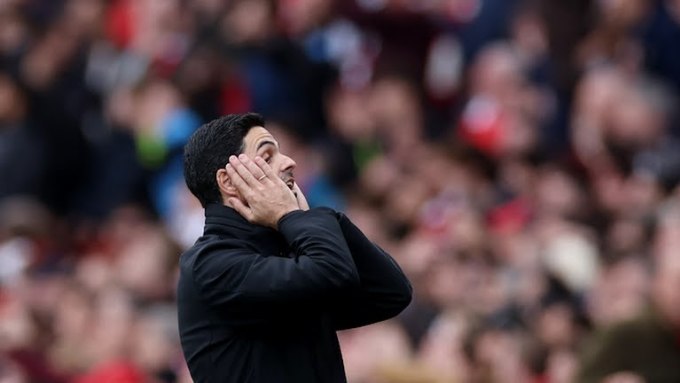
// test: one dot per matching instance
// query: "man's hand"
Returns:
(267, 197)
(302, 201)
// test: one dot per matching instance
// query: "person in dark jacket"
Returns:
(262, 293)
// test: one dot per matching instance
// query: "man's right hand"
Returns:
(301, 199)
(267, 198)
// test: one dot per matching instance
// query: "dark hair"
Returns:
(208, 150)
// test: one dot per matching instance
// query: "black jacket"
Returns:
(259, 305)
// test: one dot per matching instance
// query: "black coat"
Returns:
(259, 305)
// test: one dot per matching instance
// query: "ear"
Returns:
(224, 184)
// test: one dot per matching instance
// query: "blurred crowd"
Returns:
(519, 158)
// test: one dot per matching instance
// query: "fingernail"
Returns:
(232, 158)
(242, 157)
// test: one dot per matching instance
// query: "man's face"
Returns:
(259, 142)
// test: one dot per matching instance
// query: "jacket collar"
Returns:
(228, 223)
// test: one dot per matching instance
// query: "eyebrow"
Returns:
(265, 142)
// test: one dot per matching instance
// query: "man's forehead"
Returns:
(257, 136)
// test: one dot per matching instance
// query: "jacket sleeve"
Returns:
(384, 290)
(252, 288)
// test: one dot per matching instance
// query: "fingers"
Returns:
(268, 171)
(239, 164)
(301, 199)
(254, 169)
(236, 179)
(245, 190)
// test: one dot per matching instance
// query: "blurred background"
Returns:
(519, 158)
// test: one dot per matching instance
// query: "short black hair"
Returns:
(208, 150)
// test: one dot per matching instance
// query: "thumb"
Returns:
(241, 208)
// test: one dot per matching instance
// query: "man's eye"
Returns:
(268, 159)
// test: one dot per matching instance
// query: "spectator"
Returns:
(645, 347)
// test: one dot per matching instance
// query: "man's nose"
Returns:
(288, 163)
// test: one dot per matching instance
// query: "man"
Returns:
(263, 291)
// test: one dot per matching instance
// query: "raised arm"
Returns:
(383, 292)
(253, 288)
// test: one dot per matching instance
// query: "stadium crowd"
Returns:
(519, 158)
